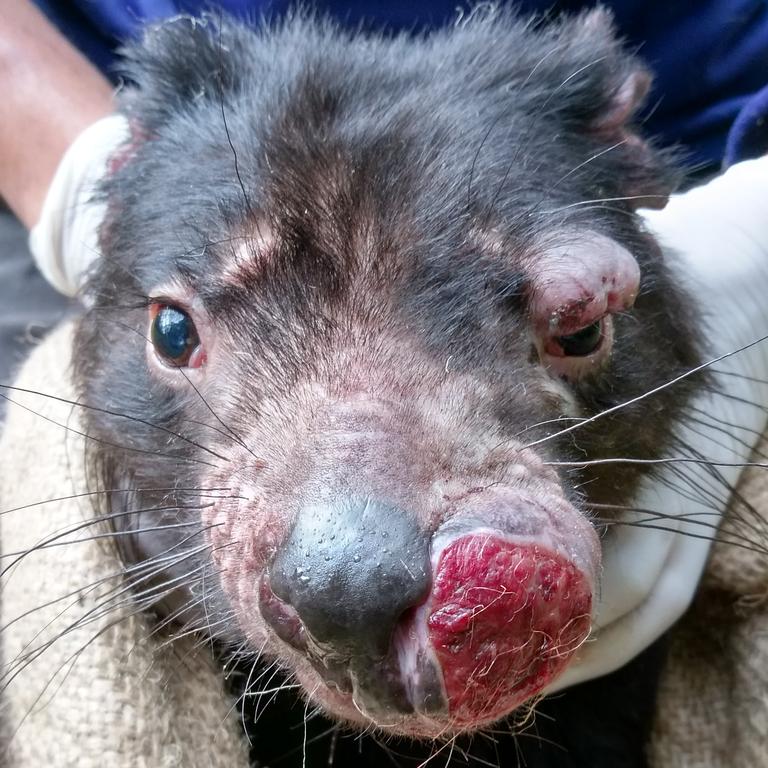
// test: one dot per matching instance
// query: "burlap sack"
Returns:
(131, 701)
(109, 692)
(713, 705)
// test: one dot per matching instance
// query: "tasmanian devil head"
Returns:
(356, 292)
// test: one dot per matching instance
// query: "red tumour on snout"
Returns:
(505, 619)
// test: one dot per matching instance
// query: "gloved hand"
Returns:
(716, 238)
(64, 242)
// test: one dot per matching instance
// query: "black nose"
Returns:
(350, 569)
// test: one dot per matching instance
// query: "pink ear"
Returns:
(624, 103)
(633, 84)
(614, 126)
(625, 84)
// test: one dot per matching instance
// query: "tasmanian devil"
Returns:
(354, 290)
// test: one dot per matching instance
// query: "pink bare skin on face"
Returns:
(578, 285)
(580, 282)
(510, 569)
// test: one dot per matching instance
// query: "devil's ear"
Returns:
(179, 63)
(607, 84)
(607, 88)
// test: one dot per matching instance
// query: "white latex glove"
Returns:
(719, 236)
(717, 239)
(64, 242)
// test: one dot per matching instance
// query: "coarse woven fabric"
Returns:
(110, 692)
(713, 702)
(29, 307)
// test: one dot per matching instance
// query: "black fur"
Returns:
(380, 165)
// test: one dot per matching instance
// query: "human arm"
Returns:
(51, 93)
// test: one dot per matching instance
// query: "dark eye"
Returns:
(583, 342)
(174, 335)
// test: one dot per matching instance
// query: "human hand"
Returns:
(64, 242)
(716, 238)
(51, 93)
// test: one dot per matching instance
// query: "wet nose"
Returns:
(350, 569)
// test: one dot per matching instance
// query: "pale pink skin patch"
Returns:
(248, 254)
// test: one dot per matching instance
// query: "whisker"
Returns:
(133, 576)
(721, 430)
(110, 412)
(604, 200)
(100, 441)
(649, 393)
(652, 462)
(587, 161)
(739, 375)
(109, 491)
(55, 539)
(751, 547)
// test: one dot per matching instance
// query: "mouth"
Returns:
(498, 617)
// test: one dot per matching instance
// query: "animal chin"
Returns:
(501, 616)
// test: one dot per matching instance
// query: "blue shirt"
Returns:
(710, 57)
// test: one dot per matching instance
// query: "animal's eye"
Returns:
(174, 336)
(582, 343)
(576, 355)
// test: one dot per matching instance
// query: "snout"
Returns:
(443, 630)
(344, 581)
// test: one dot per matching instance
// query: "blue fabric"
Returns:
(748, 136)
(710, 56)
